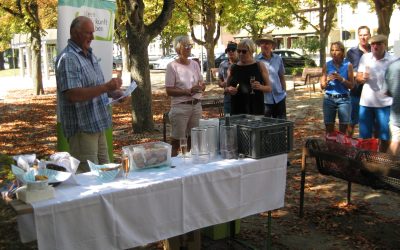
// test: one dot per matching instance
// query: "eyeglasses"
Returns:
(243, 51)
(189, 46)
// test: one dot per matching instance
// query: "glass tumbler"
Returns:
(228, 141)
(200, 152)
(212, 134)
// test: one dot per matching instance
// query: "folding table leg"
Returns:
(269, 238)
(348, 192)
(303, 180)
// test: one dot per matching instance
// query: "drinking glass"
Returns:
(252, 80)
(366, 73)
(125, 165)
(183, 146)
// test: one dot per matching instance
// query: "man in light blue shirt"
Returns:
(275, 101)
(82, 95)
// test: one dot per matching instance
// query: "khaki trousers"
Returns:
(89, 146)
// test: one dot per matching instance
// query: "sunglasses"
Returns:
(230, 50)
(189, 46)
(243, 51)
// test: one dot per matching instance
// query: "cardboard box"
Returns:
(221, 231)
(191, 240)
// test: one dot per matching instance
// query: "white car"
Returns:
(163, 61)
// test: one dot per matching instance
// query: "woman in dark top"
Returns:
(247, 98)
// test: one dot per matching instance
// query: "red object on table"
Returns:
(370, 144)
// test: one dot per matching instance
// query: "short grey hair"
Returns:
(179, 40)
(77, 22)
(249, 44)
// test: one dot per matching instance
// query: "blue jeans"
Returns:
(333, 105)
(374, 118)
(355, 109)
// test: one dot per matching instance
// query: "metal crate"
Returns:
(260, 137)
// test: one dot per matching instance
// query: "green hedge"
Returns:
(5, 169)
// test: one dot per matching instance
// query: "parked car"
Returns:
(117, 62)
(292, 59)
(219, 58)
(163, 61)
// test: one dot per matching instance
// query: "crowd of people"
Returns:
(361, 87)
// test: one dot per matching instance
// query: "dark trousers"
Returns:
(276, 110)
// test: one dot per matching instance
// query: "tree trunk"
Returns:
(36, 46)
(384, 10)
(326, 15)
(323, 40)
(125, 59)
(211, 27)
(142, 115)
(210, 60)
(2, 60)
(139, 36)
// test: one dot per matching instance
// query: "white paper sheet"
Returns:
(126, 93)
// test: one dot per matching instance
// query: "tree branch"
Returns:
(302, 18)
(11, 11)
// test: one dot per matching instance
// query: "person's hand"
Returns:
(256, 85)
(335, 76)
(365, 76)
(198, 88)
(231, 90)
(114, 84)
(222, 84)
(117, 94)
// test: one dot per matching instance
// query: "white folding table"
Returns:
(154, 204)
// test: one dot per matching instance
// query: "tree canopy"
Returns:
(257, 16)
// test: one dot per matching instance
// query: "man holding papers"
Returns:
(83, 96)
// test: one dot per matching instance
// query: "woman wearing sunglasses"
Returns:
(184, 84)
(248, 80)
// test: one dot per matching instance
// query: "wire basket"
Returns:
(260, 136)
(337, 160)
(384, 168)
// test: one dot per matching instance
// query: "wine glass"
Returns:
(183, 146)
(252, 80)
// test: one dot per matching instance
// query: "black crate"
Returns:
(260, 137)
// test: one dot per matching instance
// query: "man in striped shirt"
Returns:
(82, 96)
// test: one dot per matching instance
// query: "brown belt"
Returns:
(192, 102)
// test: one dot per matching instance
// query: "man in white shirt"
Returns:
(374, 103)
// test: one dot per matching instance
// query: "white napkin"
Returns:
(70, 163)
(65, 160)
(23, 161)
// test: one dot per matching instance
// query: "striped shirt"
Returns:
(75, 70)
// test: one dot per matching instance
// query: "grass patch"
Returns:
(9, 72)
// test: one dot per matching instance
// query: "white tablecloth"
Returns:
(155, 204)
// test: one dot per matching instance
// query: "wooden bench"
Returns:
(308, 77)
